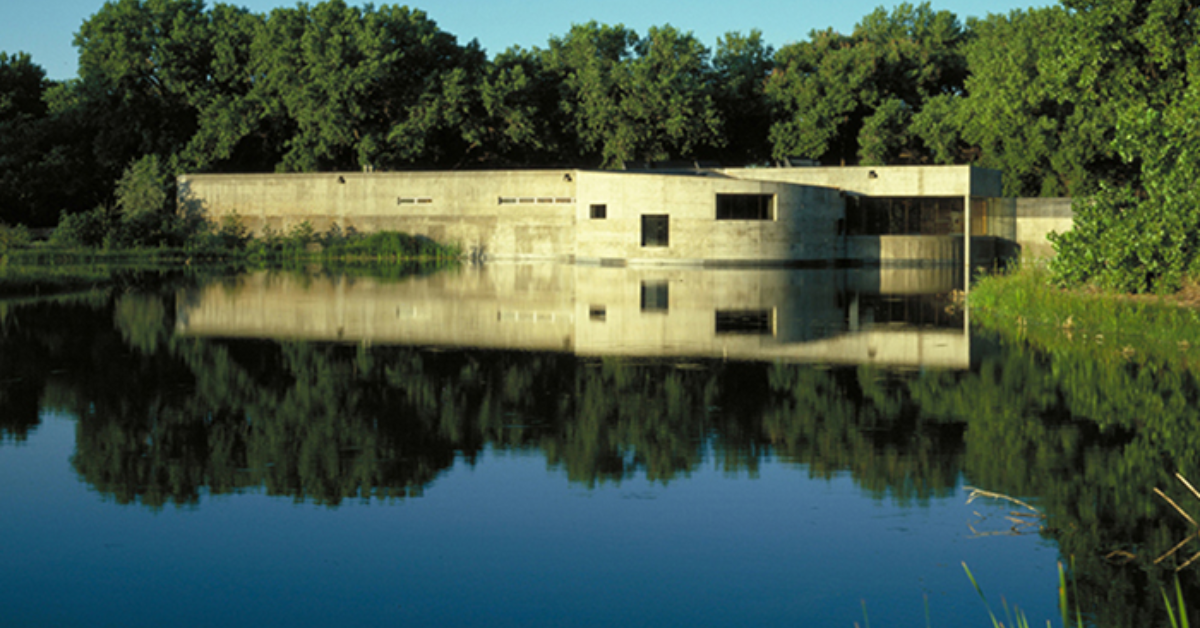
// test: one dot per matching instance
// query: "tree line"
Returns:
(1090, 97)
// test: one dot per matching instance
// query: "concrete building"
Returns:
(707, 217)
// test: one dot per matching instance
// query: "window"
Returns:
(745, 207)
(881, 215)
(753, 322)
(655, 296)
(597, 313)
(599, 212)
(655, 230)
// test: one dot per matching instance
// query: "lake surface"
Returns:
(542, 445)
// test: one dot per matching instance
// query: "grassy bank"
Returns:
(33, 268)
(1025, 305)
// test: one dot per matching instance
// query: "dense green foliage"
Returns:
(1094, 99)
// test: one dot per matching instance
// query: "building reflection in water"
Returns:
(898, 317)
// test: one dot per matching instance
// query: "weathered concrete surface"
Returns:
(1037, 218)
(549, 215)
(803, 228)
(794, 315)
(944, 181)
(472, 210)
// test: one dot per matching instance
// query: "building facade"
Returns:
(710, 217)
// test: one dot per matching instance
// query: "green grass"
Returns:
(1025, 305)
(41, 268)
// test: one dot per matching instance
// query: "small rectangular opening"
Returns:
(750, 322)
(745, 207)
(599, 212)
(597, 313)
(655, 230)
(656, 296)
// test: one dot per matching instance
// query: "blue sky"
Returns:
(46, 28)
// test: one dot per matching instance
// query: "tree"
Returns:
(22, 83)
(141, 64)
(741, 67)
(361, 87)
(635, 99)
(1022, 111)
(823, 91)
(519, 120)
(1141, 231)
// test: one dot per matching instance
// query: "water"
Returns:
(480, 447)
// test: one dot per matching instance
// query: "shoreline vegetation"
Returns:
(1025, 306)
(70, 264)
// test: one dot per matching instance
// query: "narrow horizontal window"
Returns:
(745, 207)
(597, 313)
(507, 200)
(408, 200)
(751, 322)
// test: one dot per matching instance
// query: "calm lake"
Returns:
(559, 445)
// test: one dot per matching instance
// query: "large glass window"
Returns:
(868, 215)
(745, 207)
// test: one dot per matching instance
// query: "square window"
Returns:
(656, 296)
(599, 212)
(655, 230)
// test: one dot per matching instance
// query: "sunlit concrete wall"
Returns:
(504, 214)
(547, 214)
(943, 181)
(1037, 218)
(804, 226)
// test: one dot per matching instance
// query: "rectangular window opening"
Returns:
(749, 322)
(745, 207)
(597, 313)
(599, 212)
(656, 296)
(655, 230)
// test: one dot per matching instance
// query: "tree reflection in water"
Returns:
(164, 419)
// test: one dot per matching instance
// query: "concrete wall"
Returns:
(945, 181)
(1036, 218)
(803, 228)
(546, 214)
(465, 208)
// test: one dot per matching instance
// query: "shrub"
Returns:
(83, 229)
(13, 238)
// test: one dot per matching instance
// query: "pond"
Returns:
(545, 444)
